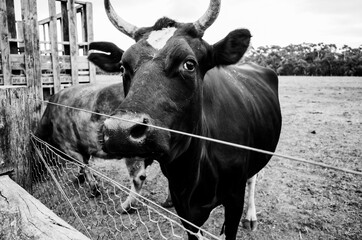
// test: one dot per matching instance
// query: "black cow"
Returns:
(173, 79)
(76, 132)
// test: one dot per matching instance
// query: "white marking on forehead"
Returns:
(158, 39)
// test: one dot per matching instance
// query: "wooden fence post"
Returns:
(53, 35)
(32, 59)
(14, 134)
(73, 41)
(4, 44)
(19, 110)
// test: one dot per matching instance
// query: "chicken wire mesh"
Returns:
(94, 206)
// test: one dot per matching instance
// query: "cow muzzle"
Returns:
(129, 135)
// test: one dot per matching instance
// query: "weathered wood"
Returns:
(53, 36)
(65, 26)
(73, 40)
(24, 217)
(83, 23)
(17, 62)
(4, 44)
(64, 62)
(90, 37)
(32, 58)
(14, 133)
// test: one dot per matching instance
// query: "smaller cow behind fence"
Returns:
(75, 132)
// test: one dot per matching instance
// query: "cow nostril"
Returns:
(138, 131)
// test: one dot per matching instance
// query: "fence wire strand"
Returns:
(214, 140)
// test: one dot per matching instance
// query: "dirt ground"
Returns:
(322, 122)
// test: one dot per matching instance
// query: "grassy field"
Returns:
(322, 122)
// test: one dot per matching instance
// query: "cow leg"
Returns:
(137, 175)
(87, 176)
(250, 220)
(92, 181)
(234, 204)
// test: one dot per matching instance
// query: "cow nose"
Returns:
(125, 134)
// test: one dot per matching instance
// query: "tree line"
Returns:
(309, 59)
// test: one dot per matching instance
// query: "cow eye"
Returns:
(189, 65)
(122, 70)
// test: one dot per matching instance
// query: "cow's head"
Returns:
(163, 76)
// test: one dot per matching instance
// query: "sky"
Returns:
(277, 22)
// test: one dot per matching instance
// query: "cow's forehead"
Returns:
(158, 39)
(180, 41)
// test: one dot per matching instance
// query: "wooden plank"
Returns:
(4, 44)
(15, 40)
(18, 80)
(24, 217)
(65, 26)
(53, 36)
(48, 79)
(48, 19)
(65, 62)
(73, 41)
(80, 2)
(64, 43)
(83, 79)
(90, 38)
(83, 23)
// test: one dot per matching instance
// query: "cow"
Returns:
(75, 132)
(175, 80)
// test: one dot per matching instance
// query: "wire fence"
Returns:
(98, 213)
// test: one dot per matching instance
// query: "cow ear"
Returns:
(108, 56)
(230, 49)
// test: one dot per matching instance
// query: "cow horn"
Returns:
(209, 16)
(118, 22)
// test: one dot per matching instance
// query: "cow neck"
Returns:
(193, 174)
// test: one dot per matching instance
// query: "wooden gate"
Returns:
(60, 42)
